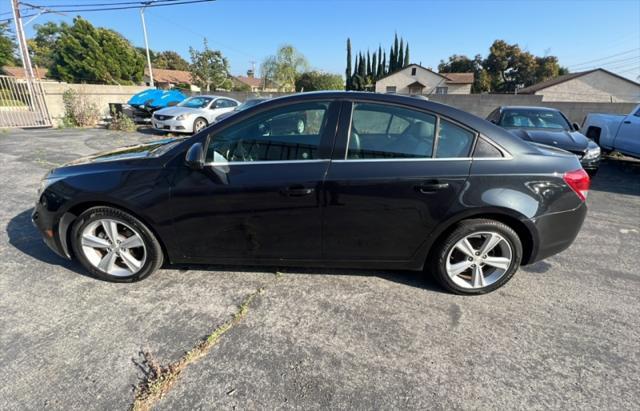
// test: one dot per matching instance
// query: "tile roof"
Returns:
(458, 78)
(18, 72)
(250, 81)
(170, 76)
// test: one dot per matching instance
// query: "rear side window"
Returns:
(484, 149)
(453, 140)
(385, 131)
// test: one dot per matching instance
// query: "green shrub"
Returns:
(121, 122)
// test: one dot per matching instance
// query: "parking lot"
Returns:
(563, 334)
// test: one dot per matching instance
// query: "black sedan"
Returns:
(370, 180)
(550, 127)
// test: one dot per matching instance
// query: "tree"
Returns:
(283, 67)
(169, 60)
(7, 46)
(43, 44)
(347, 72)
(316, 80)
(84, 53)
(209, 68)
(400, 62)
(407, 61)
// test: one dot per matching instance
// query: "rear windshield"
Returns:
(531, 118)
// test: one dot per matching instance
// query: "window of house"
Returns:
(287, 133)
(442, 90)
(385, 131)
(391, 89)
(413, 71)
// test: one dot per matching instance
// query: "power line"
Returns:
(604, 58)
(103, 4)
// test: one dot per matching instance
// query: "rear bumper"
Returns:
(556, 232)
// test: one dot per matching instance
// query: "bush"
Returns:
(79, 111)
(121, 122)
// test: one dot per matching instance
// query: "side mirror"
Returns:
(195, 157)
(494, 121)
(576, 127)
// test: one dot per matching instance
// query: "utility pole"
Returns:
(22, 42)
(146, 45)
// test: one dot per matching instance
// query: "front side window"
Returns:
(283, 134)
(382, 131)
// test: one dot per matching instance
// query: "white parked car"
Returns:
(615, 132)
(193, 114)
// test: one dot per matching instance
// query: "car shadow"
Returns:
(27, 239)
(618, 175)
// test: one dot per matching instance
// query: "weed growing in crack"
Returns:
(159, 378)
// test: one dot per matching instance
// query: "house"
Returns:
(256, 84)
(597, 85)
(18, 72)
(417, 80)
(166, 79)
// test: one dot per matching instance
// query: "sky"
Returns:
(583, 34)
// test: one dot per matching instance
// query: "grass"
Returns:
(159, 378)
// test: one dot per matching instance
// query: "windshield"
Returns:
(195, 102)
(531, 118)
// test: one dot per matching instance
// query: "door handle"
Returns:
(298, 191)
(627, 122)
(431, 186)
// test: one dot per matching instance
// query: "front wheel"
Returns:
(115, 246)
(477, 257)
(199, 124)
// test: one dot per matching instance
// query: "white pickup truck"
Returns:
(615, 132)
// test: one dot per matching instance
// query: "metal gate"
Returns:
(22, 103)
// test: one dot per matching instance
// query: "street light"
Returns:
(146, 44)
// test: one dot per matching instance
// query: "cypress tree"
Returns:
(380, 71)
(369, 64)
(396, 61)
(391, 60)
(407, 61)
(362, 69)
(374, 66)
(384, 63)
(347, 72)
(401, 54)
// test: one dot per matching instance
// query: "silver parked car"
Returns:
(192, 114)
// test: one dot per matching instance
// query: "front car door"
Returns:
(258, 196)
(628, 138)
(395, 172)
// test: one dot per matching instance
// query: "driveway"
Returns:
(564, 333)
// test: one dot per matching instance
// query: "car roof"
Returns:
(502, 108)
(484, 127)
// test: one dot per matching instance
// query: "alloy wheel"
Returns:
(199, 125)
(479, 260)
(113, 247)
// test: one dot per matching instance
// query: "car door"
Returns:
(628, 138)
(394, 173)
(258, 196)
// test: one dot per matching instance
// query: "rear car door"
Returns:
(258, 196)
(394, 174)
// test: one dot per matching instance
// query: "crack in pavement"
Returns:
(158, 379)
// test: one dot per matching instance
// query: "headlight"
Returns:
(46, 182)
(182, 117)
(592, 153)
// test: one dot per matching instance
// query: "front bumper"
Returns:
(173, 125)
(53, 229)
(591, 166)
(556, 232)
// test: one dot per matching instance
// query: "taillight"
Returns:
(579, 182)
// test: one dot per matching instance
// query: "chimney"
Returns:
(250, 73)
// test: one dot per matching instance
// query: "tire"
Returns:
(199, 124)
(448, 257)
(140, 256)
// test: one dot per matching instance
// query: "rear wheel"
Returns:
(115, 246)
(477, 257)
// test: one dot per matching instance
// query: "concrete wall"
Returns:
(483, 104)
(598, 86)
(100, 94)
